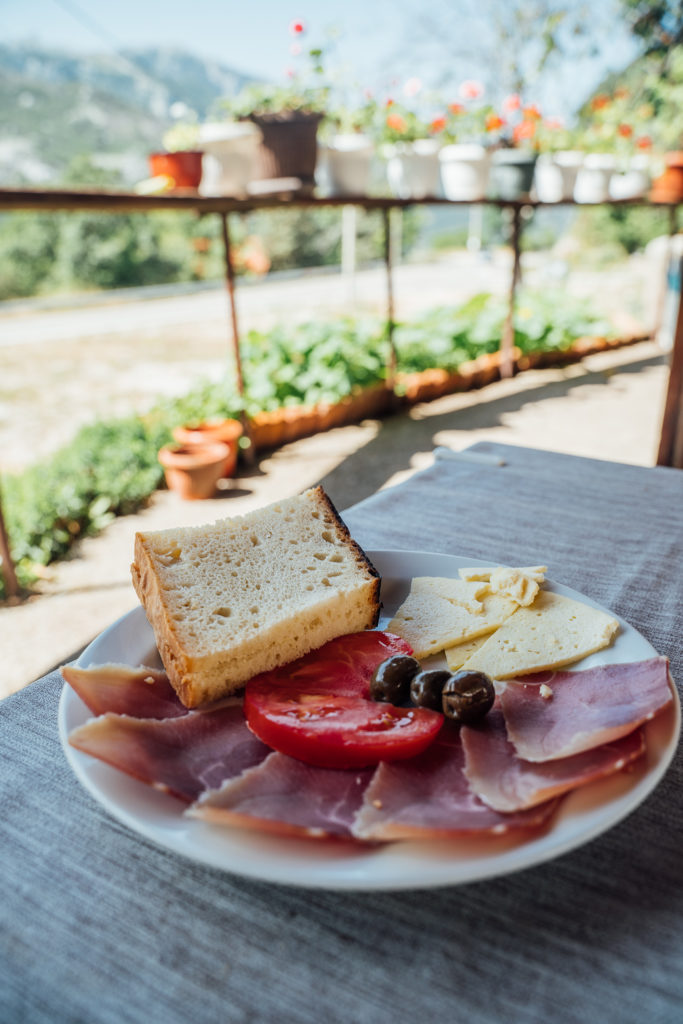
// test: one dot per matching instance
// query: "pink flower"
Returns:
(295, 49)
(471, 89)
(396, 123)
(554, 124)
(512, 102)
(296, 28)
(412, 87)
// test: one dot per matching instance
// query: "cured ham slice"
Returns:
(183, 756)
(143, 692)
(429, 797)
(574, 711)
(343, 666)
(287, 796)
(506, 783)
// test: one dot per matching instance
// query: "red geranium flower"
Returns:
(625, 130)
(396, 123)
(456, 108)
(600, 101)
(438, 124)
(493, 123)
(297, 28)
(644, 142)
(523, 130)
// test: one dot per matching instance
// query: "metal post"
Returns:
(508, 337)
(230, 285)
(348, 250)
(7, 567)
(392, 359)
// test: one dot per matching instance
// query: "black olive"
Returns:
(391, 680)
(467, 696)
(426, 688)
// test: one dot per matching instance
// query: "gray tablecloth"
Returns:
(98, 925)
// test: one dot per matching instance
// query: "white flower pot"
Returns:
(592, 181)
(631, 182)
(346, 164)
(413, 168)
(555, 176)
(464, 171)
(230, 157)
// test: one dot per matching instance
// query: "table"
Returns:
(98, 925)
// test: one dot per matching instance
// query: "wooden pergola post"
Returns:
(230, 285)
(671, 439)
(8, 570)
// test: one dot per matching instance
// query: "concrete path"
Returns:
(608, 407)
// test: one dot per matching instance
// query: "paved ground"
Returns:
(608, 407)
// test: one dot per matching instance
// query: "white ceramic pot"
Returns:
(592, 181)
(555, 175)
(346, 164)
(413, 168)
(230, 157)
(633, 181)
(464, 171)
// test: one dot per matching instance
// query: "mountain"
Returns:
(56, 105)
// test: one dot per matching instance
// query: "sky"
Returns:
(379, 43)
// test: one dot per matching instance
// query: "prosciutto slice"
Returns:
(343, 666)
(429, 797)
(143, 692)
(183, 756)
(288, 796)
(574, 711)
(506, 783)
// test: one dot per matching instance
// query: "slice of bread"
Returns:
(245, 595)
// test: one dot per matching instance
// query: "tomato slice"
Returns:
(316, 709)
(332, 731)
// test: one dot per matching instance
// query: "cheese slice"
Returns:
(454, 590)
(430, 623)
(552, 632)
(457, 655)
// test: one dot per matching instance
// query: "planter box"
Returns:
(271, 429)
(289, 146)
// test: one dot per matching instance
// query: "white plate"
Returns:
(337, 864)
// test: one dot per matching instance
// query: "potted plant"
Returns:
(288, 116)
(513, 160)
(348, 148)
(558, 161)
(463, 157)
(193, 470)
(227, 431)
(410, 143)
(181, 159)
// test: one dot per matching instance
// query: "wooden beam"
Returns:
(235, 333)
(7, 567)
(671, 439)
(507, 340)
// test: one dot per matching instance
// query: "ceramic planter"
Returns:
(183, 166)
(227, 432)
(512, 174)
(668, 187)
(632, 181)
(193, 470)
(346, 164)
(592, 181)
(555, 176)
(413, 168)
(230, 157)
(289, 145)
(464, 171)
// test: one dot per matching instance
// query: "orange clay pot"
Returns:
(183, 166)
(226, 431)
(193, 470)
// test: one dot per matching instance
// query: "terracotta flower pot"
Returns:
(183, 166)
(668, 187)
(227, 431)
(193, 470)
